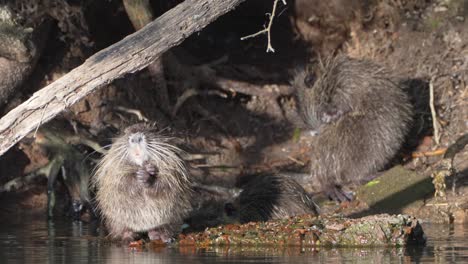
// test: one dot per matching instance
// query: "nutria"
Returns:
(212, 206)
(142, 185)
(360, 115)
(268, 197)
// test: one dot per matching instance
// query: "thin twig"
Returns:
(296, 161)
(432, 153)
(268, 28)
(435, 123)
(138, 113)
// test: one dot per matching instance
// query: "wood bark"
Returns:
(129, 55)
(140, 14)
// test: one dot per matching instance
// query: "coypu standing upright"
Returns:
(268, 197)
(361, 116)
(142, 185)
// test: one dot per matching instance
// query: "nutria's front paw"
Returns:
(147, 174)
(151, 169)
(143, 176)
(336, 193)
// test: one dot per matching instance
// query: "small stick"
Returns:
(432, 153)
(435, 123)
(296, 161)
(138, 113)
(268, 28)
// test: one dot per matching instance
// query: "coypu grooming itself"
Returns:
(142, 185)
(360, 115)
(267, 197)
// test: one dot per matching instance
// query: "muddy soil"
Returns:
(250, 125)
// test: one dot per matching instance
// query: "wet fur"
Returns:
(125, 203)
(361, 115)
(267, 197)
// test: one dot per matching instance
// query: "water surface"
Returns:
(29, 240)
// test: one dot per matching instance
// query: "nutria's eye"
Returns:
(309, 80)
(136, 139)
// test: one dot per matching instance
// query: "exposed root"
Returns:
(65, 162)
(273, 90)
(138, 113)
(205, 74)
(75, 140)
(207, 115)
(20, 182)
(190, 93)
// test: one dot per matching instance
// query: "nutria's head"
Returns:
(136, 142)
(138, 145)
(137, 148)
(315, 93)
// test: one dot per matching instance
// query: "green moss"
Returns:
(296, 134)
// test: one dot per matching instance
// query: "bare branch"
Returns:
(268, 28)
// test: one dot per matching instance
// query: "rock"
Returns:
(395, 189)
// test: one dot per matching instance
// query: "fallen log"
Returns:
(129, 55)
(310, 231)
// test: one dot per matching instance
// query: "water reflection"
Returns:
(26, 240)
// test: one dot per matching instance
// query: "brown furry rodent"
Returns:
(267, 197)
(360, 114)
(142, 185)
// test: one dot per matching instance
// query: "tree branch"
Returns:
(129, 55)
(268, 28)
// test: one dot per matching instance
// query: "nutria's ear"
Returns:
(304, 77)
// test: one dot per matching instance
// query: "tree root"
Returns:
(66, 162)
(205, 75)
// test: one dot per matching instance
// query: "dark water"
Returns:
(26, 240)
